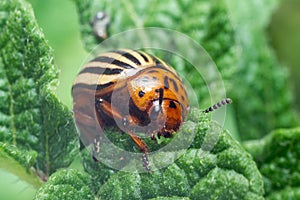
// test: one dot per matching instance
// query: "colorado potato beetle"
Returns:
(132, 90)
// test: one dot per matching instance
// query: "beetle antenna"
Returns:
(218, 105)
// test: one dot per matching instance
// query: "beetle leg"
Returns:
(143, 148)
(106, 108)
(96, 148)
(154, 135)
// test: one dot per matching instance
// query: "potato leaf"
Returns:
(278, 159)
(224, 172)
(66, 184)
(32, 118)
(19, 163)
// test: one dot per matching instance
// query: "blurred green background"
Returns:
(58, 19)
(284, 34)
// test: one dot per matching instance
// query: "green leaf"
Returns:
(66, 184)
(278, 159)
(205, 21)
(26, 159)
(19, 163)
(32, 118)
(224, 172)
(262, 96)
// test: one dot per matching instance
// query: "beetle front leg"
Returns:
(143, 148)
(105, 107)
(96, 148)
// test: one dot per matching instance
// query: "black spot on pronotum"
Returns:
(141, 93)
(166, 82)
(172, 104)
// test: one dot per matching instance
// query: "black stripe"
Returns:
(174, 84)
(92, 86)
(100, 70)
(144, 57)
(114, 61)
(161, 66)
(183, 89)
(129, 56)
(156, 60)
(153, 71)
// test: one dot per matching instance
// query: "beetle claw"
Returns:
(96, 149)
(146, 163)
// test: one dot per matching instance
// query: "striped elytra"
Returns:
(131, 90)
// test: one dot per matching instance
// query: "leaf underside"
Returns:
(66, 184)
